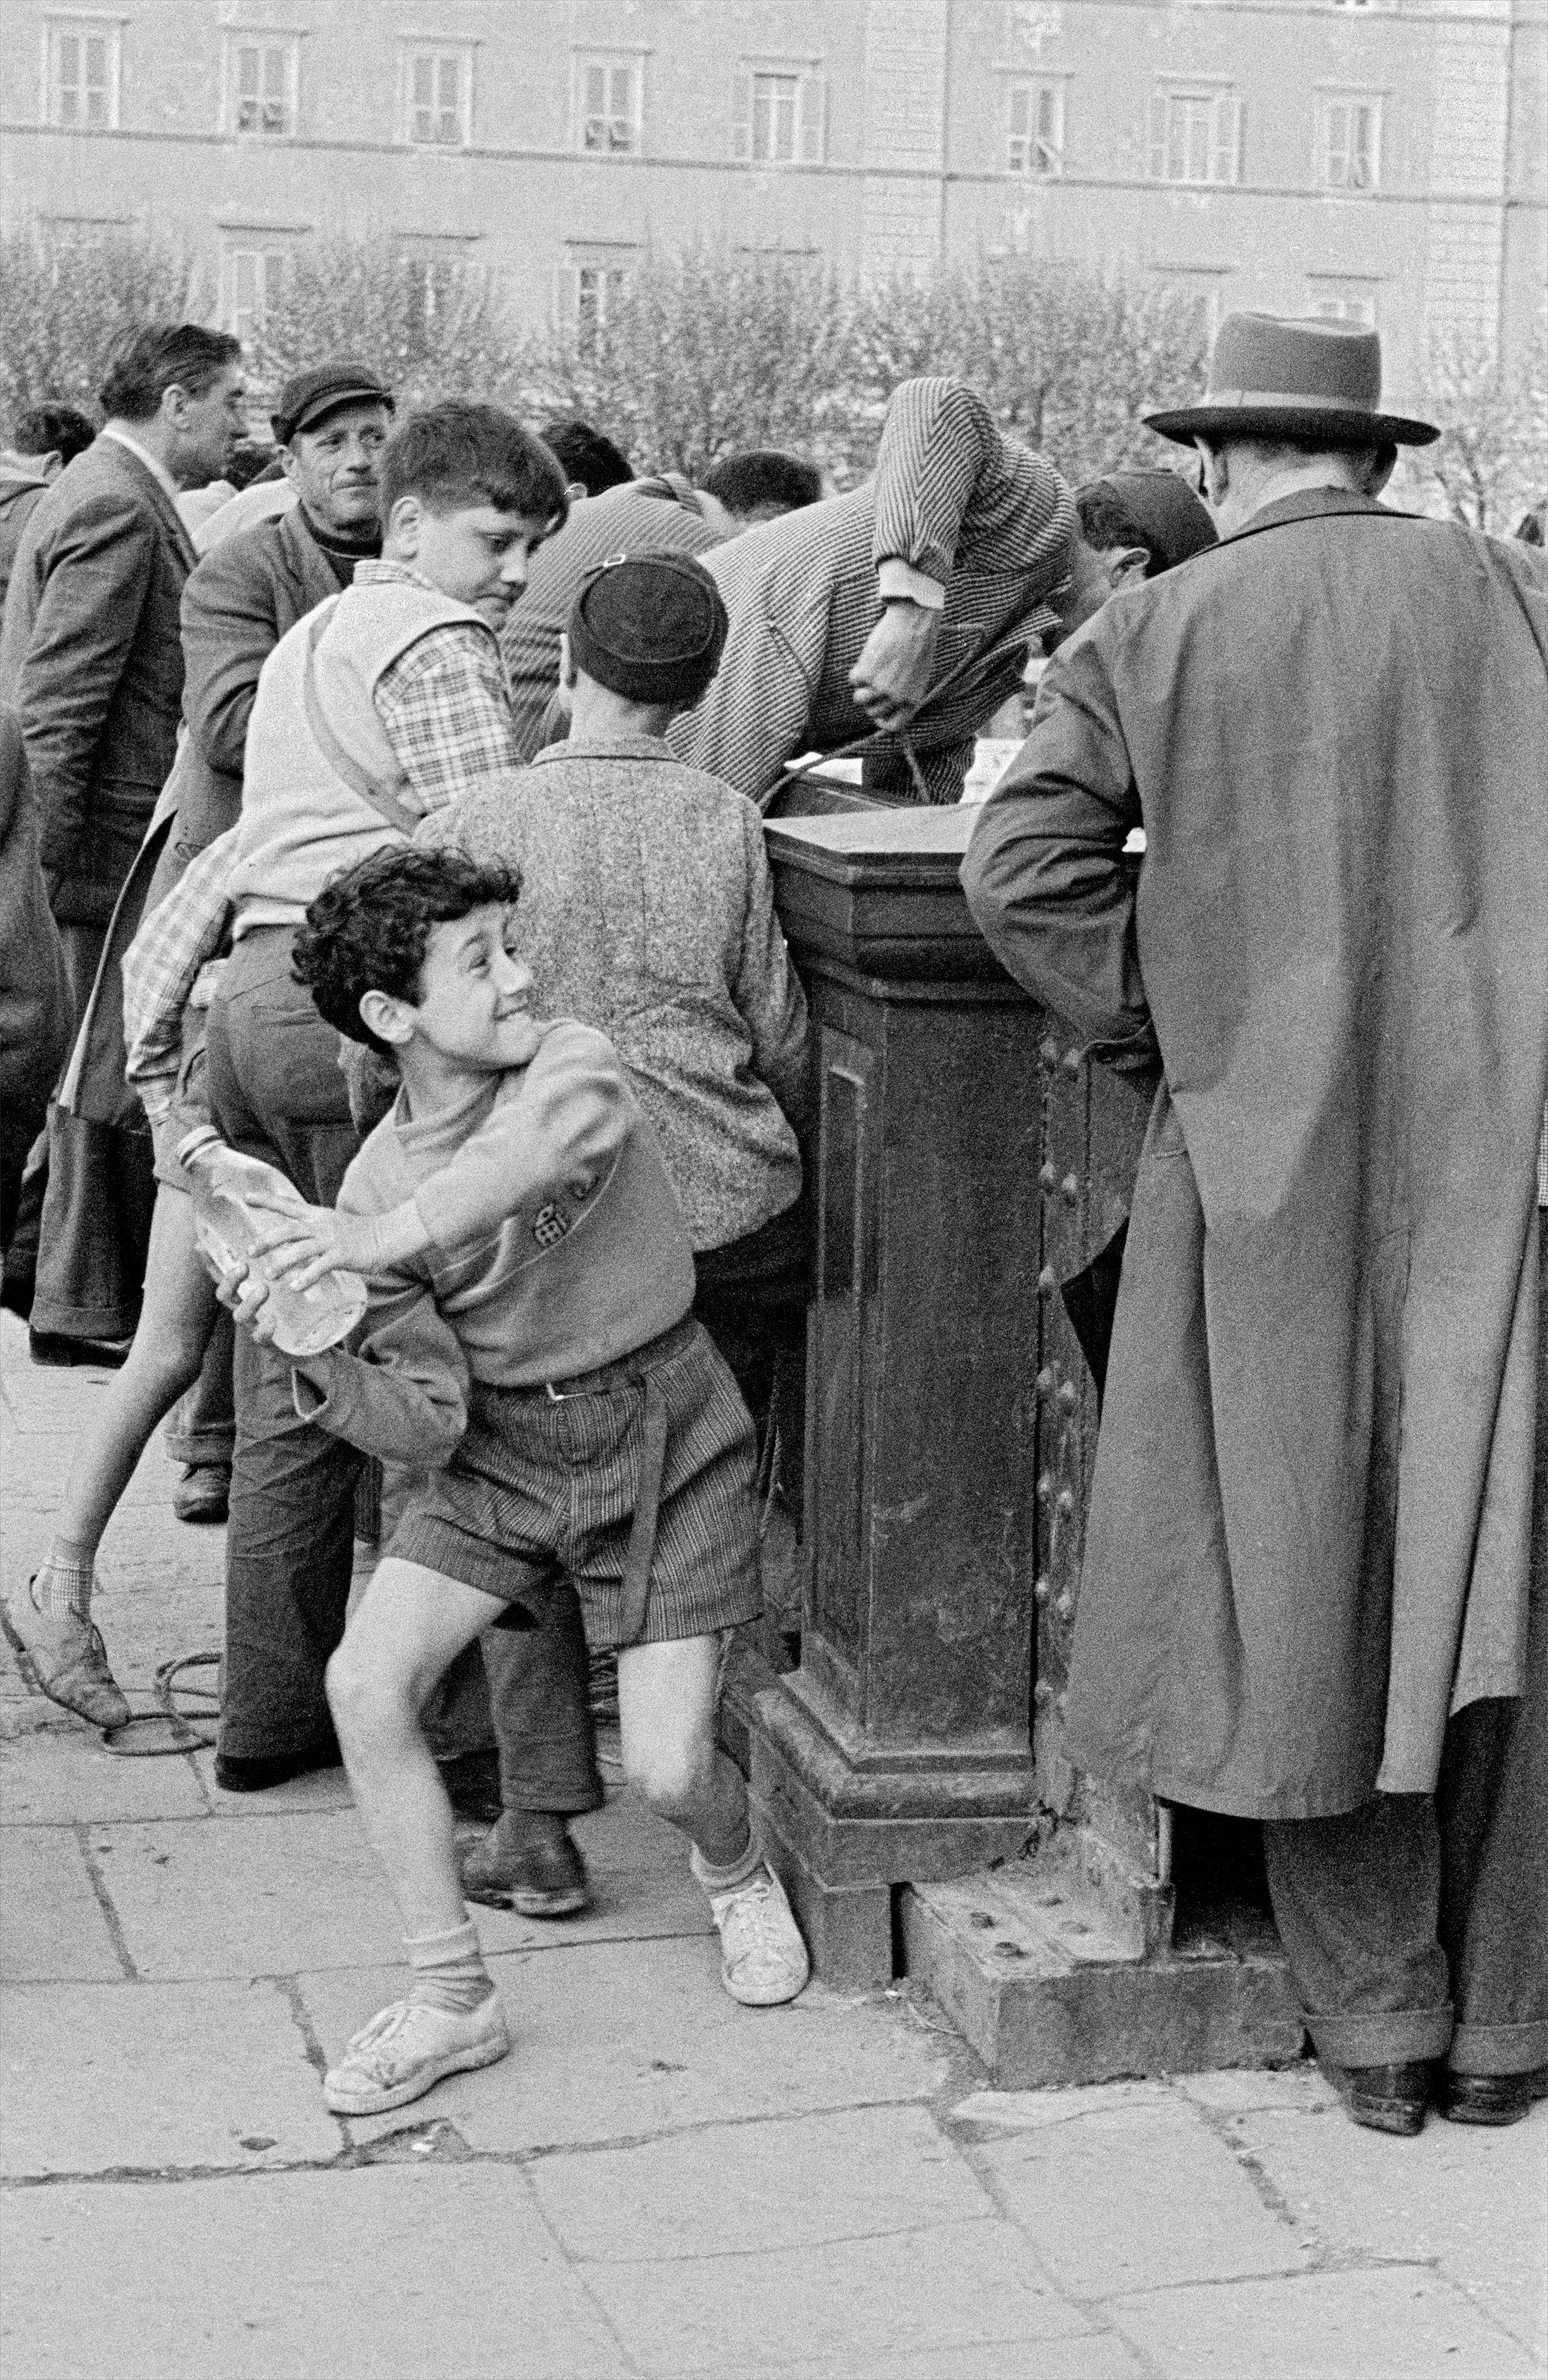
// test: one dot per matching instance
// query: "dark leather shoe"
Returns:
(52, 1348)
(235, 1775)
(1490, 2098)
(1385, 2098)
(203, 1493)
(528, 1863)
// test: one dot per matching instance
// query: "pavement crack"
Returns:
(290, 1990)
(105, 1903)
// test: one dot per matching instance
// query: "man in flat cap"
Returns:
(1312, 1593)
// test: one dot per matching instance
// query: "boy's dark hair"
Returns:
(586, 456)
(369, 929)
(49, 428)
(458, 454)
(147, 363)
(1106, 521)
(764, 480)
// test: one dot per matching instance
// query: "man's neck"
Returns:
(155, 438)
(599, 716)
(1258, 490)
(362, 538)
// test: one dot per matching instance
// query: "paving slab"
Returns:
(1071, 2188)
(1303, 2088)
(1089, 2356)
(320, 1790)
(217, 1899)
(952, 2287)
(377, 2275)
(1036, 2111)
(634, 2039)
(75, 1778)
(1396, 2323)
(1473, 2200)
(52, 1925)
(740, 2188)
(139, 2077)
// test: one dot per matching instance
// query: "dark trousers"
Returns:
(201, 1427)
(1417, 1926)
(750, 1295)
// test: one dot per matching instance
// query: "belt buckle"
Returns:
(555, 1396)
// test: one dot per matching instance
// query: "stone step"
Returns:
(1047, 1988)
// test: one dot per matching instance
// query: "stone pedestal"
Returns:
(900, 1750)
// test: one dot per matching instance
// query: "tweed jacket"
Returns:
(647, 910)
(91, 661)
(645, 517)
(1308, 1543)
(21, 490)
(955, 511)
(34, 996)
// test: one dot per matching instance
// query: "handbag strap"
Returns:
(383, 799)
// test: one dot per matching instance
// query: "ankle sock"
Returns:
(64, 1584)
(738, 1871)
(448, 1970)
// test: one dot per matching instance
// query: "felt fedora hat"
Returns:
(1273, 378)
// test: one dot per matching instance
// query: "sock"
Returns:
(738, 1871)
(449, 1972)
(64, 1584)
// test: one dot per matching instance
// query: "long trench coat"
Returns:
(1309, 1534)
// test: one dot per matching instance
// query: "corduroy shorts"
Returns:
(541, 1490)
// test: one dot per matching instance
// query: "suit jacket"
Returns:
(1307, 1542)
(91, 661)
(953, 501)
(34, 995)
(22, 491)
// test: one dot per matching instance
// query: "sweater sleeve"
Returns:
(562, 1126)
(402, 1393)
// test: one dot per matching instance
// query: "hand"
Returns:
(306, 1242)
(245, 1293)
(892, 676)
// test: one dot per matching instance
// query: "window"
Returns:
(1195, 136)
(1344, 301)
(252, 276)
(83, 68)
(261, 81)
(608, 93)
(1351, 143)
(585, 291)
(778, 115)
(1036, 140)
(438, 93)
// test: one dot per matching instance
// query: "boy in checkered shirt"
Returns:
(530, 1282)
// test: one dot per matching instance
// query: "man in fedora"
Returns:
(1313, 1593)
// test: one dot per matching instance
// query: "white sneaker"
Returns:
(762, 1958)
(400, 2054)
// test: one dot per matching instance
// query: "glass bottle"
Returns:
(227, 1230)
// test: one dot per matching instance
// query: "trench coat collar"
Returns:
(1311, 504)
(118, 455)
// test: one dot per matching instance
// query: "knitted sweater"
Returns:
(557, 1247)
(647, 908)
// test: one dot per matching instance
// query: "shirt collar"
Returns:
(621, 748)
(399, 574)
(153, 463)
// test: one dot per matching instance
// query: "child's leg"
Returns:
(410, 1625)
(666, 1709)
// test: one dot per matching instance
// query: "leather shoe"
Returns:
(1385, 2098)
(203, 1493)
(235, 1775)
(51, 1347)
(1490, 2098)
(528, 1863)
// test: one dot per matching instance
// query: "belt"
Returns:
(632, 1367)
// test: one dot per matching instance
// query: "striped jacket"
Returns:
(956, 515)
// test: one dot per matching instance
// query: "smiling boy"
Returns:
(589, 1430)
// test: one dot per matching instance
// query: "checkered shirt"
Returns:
(161, 965)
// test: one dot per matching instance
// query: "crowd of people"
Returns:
(397, 814)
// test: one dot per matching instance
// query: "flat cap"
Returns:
(309, 396)
(651, 626)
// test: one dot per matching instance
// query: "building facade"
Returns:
(1381, 160)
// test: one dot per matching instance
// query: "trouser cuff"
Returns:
(1382, 2036)
(1498, 2048)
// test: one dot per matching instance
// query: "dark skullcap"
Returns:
(650, 626)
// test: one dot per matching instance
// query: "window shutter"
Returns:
(1225, 165)
(567, 298)
(812, 109)
(741, 117)
(1158, 136)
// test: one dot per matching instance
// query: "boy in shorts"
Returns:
(529, 1327)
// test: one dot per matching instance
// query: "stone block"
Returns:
(1071, 2188)
(1397, 2322)
(70, 1778)
(631, 2040)
(369, 2276)
(145, 2078)
(1093, 2355)
(52, 1925)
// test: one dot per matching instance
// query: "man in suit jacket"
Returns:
(91, 661)
(1308, 1594)
(34, 1004)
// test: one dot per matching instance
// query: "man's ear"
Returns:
(288, 461)
(51, 464)
(1215, 482)
(1130, 567)
(568, 671)
(578, 491)
(388, 1017)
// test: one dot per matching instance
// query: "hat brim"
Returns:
(1337, 425)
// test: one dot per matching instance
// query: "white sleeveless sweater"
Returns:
(301, 820)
